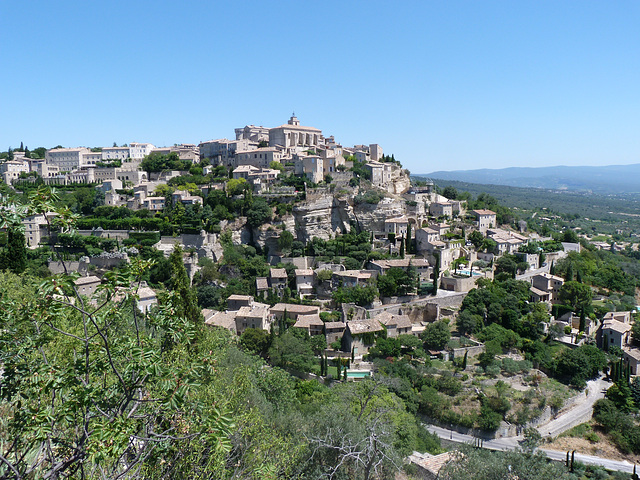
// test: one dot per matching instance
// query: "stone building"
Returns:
(67, 159)
(223, 151)
(11, 170)
(486, 219)
(260, 157)
(252, 133)
(294, 136)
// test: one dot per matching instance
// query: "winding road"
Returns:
(579, 413)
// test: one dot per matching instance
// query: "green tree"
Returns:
(436, 272)
(436, 335)
(576, 294)
(259, 213)
(275, 165)
(467, 323)
(292, 350)
(14, 256)
(236, 186)
(507, 265)
(476, 238)
(187, 304)
(86, 385)
(480, 464)
(255, 340)
(285, 241)
(450, 192)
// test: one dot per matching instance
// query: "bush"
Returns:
(371, 197)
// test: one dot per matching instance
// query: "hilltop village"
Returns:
(331, 263)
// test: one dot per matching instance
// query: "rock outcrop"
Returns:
(322, 217)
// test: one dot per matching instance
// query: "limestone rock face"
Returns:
(400, 184)
(267, 237)
(322, 217)
(371, 217)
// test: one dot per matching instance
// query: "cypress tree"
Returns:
(569, 276)
(583, 321)
(409, 242)
(401, 247)
(14, 257)
(436, 272)
(464, 360)
(179, 282)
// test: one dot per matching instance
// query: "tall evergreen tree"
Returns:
(14, 256)
(569, 276)
(179, 282)
(409, 242)
(436, 272)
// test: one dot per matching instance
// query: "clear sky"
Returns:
(443, 85)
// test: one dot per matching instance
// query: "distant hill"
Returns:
(612, 179)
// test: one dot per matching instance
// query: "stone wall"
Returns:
(56, 268)
(471, 352)
(109, 260)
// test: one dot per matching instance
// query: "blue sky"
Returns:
(441, 85)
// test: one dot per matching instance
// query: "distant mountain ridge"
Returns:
(606, 179)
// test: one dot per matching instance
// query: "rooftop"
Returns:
(304, 272)
(616, 326)
(87, 280)
(278, 273)
(293, 308)
(220, 319)
(335, 325)
(256, 310)
(484, 212)
(306, 321)
(246, 298)
(363, 326)
(389, 319)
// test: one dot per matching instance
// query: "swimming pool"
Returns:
(466, 272)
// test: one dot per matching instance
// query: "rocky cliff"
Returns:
(322, 217)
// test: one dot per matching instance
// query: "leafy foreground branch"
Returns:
(98, 391)
(93, 389)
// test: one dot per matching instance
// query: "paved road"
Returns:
(579, 413)
(510, 443)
